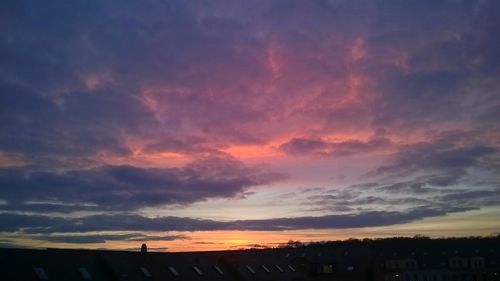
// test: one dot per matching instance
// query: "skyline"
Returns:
(229, 124)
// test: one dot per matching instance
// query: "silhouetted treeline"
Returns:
(398, 242)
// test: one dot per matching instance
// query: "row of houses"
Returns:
(321, 262)
(460, 260)
(455, 265)
(58, 264)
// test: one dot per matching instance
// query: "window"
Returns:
(279, 268)
(327, 268)
(266, 269)
(219, 270)
(291, 267)
(250, 269)
(198, 271)
(146, 272)
(40, 273)
(85, 273)
(173, 271)
(477, 262)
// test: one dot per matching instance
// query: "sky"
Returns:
(207, 125)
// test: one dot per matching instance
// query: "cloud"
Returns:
(483, 197)
(445, 161)
(436, 156)
(303, 146)
(363, 219)
(307, 146)
(102, 238)
(38, 128)
(421, 185)
(15, 222)
(444, 192)
(39, 224)
(127, 187)
(194, 78)
(127, 222)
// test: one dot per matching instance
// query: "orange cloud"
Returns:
(252, 151)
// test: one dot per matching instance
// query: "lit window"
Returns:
(291, 267)
(146, 272)
(250, 269)
(328, 268)
(198, 270)
(85, 273)
(266, 269)
(219, 270)
(173, 271)
(279, 268)
(350, 268)
(40, 273)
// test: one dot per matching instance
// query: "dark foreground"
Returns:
(473, 259)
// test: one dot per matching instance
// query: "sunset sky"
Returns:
(202, 125)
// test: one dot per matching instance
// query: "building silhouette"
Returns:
(385, 260)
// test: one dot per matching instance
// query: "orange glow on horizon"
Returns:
(234, 239)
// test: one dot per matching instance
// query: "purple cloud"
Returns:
(304, 146)
(127, 187)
